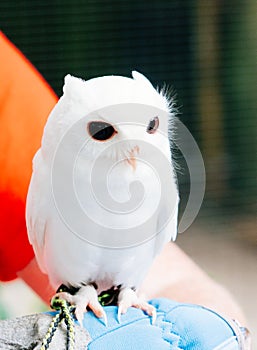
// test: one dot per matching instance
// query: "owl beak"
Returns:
(132, 157)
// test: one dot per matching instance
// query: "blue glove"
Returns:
(178, 326)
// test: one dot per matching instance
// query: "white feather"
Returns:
(63, 255)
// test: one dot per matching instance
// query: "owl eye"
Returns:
(101, 131)
(153, 125)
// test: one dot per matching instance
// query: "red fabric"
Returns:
(15, 251)
(25, 102)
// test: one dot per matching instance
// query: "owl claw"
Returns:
(79, 316)
(105, 321)
(128, 298)
(119, 314)
(85, 297)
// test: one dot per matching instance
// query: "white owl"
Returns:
(103, 200)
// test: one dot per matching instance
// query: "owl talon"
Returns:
(85, 297)
(119, 314)
(129, 298)
(79, 316)
(105, 321)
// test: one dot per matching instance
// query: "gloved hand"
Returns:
(178, 326)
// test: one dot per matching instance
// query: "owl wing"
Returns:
(36, 210)
(167, 224)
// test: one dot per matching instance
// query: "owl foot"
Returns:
(85, 297)
(128, 298)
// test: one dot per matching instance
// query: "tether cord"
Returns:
(66, 314)
(66, 311)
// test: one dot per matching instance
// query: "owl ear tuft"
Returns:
(72, 86)
(141, 78)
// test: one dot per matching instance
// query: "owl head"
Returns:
(110, 111)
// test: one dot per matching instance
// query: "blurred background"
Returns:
(205, 51)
